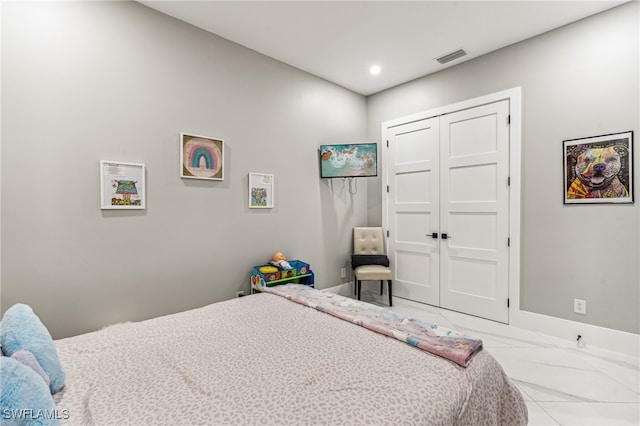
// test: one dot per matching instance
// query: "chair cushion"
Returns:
(369, 259)
(369, 240)
(373, 273)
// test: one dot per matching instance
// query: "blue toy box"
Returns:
(300, 273)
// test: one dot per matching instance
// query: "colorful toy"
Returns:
(280, 260)
(269, 275)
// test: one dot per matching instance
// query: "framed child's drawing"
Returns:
(201, 157)
(260, 191)
(599, 169)
(121, 185)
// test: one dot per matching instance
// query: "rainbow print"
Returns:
(201, 157)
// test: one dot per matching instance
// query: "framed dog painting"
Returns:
(599, 169)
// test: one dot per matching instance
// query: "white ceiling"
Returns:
(340, 40)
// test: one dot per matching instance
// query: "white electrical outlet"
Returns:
(580, 306)
(343, 272)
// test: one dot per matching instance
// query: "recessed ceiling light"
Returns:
(375, 70)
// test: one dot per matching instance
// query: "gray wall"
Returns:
(577, 81)
(85, 81)
(118, 81)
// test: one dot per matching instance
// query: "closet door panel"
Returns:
(413, 215)
(475, 230)
(472, 183)
(474, 210)
(447, 208)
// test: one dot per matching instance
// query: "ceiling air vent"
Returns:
(451, 56)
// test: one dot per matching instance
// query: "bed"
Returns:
(274, 358)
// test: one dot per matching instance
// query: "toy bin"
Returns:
(295, 275)
(299, 267)
(287, 273)
(260, 279)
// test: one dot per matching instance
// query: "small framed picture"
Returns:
(201, 157)
(260, 191)
(121, 185)
(599, 169)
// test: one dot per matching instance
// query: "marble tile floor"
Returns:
(561, 383)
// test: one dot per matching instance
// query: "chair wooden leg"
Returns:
(358, 288)
(381, 284)
(390, 303)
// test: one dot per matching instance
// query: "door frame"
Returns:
(514, 96)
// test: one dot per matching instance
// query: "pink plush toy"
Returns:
(28, 359)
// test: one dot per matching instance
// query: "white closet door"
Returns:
(474, 211)
(413, 177)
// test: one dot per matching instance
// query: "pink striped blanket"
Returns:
(432, 338)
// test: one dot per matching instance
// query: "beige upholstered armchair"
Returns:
(369, 261)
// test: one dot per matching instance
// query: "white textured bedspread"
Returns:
(263, 359)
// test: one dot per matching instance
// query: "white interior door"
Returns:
(474, 211)
(448, 175)
(413, 192)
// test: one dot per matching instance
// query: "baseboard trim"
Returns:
(592, 335)
(343, 289)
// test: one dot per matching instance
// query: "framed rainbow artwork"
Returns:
(201, 157)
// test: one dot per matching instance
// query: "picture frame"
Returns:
(261, 195)
(122, 186)
(599, 169)
(201, 157)
(348, 160)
